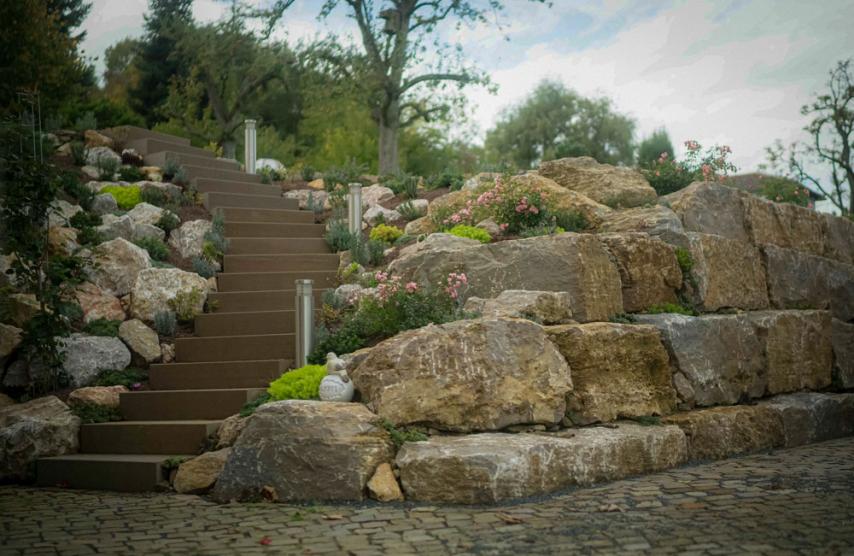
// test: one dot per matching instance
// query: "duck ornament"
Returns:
(336, 386)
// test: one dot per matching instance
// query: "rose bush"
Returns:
(667, 175)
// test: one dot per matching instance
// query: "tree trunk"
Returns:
(389, 125)
(229, 149)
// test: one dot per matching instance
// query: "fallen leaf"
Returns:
(265, 540)
(510, 519)
(269, 493)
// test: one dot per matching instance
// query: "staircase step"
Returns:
(261, 281)
(267, 229)
(219, 374)
(222, 200)
(144, 146)
(274, 263)
(237, 187)
(146, 437)
(159, 159)
(246, 323)
(270, 300)
(204, 171)
(116, 472)
(235, 348)
(277, 245)
(124, 133)
(275, 216)
(178, 405)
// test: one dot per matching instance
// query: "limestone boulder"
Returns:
(843, 353)
(716, 359)
(229, 431)
(113, 227)
(711, 208)
(148, 231)
(118, 262)
(104, 203)
(95, 139)
(106, 396)
(492, 467)
(649, 272)
(95, 155)
(63, 240)
(447, 204)
(173, 192)
(658, 221)
(618, 371)
(809, 417)
(419, 226)
(539, 306)
(574, 263)
(383, 485)
(726, 273)
(469, 375)
(376, 194)
(480, 181)
(610, 185)
(798, 349)
(98, 304)
(145, 213)
(565, 199)
(28, 431)
(491, 227)
(10, 339)
(154, 287)
(838, 238)
(721, 432)
(61, 212)
(86, 356)
(305, 451)
(189, 239)
(142, 341)
(198, 475)
(784, 225)
(377, 214)
(309, 198)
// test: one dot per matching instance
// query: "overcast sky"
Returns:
(730, 72)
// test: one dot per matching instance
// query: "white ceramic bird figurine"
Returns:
(336, 385)
(336, 366)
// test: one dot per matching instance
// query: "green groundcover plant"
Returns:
(299, 384)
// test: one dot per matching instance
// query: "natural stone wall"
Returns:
(610, 185)
(727, 273)
(710, 208)
(839, 238)
(784, 225)
(813, 417)
(842, 335)
(618, 371)
(538, 306)
(648, 269)
(658, 221)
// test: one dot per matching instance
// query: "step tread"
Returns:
(118, 458)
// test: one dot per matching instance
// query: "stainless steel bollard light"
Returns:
(304, 321)
(354, 208)
(250, 145)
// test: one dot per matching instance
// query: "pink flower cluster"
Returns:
(486, 199)
(523, 206)
(456, 282)
(692, 145)
(387, 285)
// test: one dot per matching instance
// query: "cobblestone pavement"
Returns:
(793, 501)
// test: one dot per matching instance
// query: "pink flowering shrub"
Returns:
(782, 190)
(667, 175)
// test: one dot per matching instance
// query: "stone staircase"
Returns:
(236, 351)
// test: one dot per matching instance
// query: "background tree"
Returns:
(121, 74)
(555, 122)
(650, 149)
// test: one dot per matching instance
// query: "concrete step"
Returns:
(124, 133)
(246, 323)
(271, 300)
(184, 159)
(277, 245)
(204, 171)
(219, 374)
(235, 348)
(275, 216)
(179, 405)
(267, 229)
(116, 472)
(261, 281)
(277, 263)
(211, 185)
(145, 146)
(223, 200)
(146, 437)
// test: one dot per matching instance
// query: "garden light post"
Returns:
(354, 208)
(249, 146)
(304, 321)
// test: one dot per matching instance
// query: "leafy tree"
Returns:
(121, 74)
(555, 122)
(831, 144)
(651, 148)
(397, 70)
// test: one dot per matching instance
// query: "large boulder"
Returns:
(39, 428)
(658, 221)
(610, 185)
(711, 208)
(491, 467)
(198, 475)
(62, 240)
(105, 396)
(784, 225)
(10, 339)
(309, 198)
(564, 199)
(717, 359)
(95, 139)
(117, 263)
(305, 451)
(145, 213)
(538, 306)
(383, 485)
(812, 417)
(376, 194)
(142, 341)
(839, 237)
(378, 214)
(61, 212)
(148, 231)
(649, 272)
(189, 239)
(798, 350)
(574, 263)
(618, 371)
(98, 304)
(726, 273)
(113, 227)
(86, 356)
(419, 226)
(843, 353)
(154, 287)
(104, 204)
(95, 155)
(722, 432)
(470, 375)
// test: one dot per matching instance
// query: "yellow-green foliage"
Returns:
(126, 197)
(299, 384)
(386, 233)
(461, 230)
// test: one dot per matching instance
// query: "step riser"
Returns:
(208, 172)
(184, 159)
(185, 405)
(245, 324)
(256, 230)
(207, 185)
(229, 374)
(235, 348)
(260, 215)
(279, 263)
(119, 476)
(147, 146)
(266, 281)
(223, 200)
(145, 438)
(125, 133)
(283, 246)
